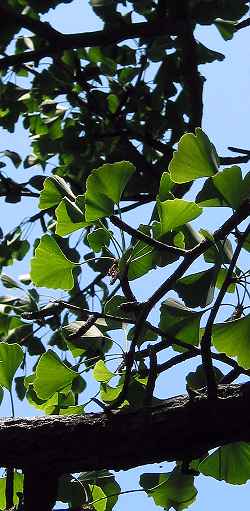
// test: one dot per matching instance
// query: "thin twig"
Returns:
(152, 376)
(158, 245)
(206, 340)
(189, 258)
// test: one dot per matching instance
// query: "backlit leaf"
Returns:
(105, 186)
(197, 290)
(195, 157)
(49, 267)
(54, 190)
(70, 217)
(232, 338)
(177, 212)
(11, 356)
(170, 490)
(101, 372)
(230, 463)
(52, 375)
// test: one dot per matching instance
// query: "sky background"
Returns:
(226, 115)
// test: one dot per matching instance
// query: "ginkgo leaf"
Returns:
(105, 186)
(228, 183)
(195, 157)
(170, 490)
(101, 372)
(197, 289)
(70, 217)
(230, 462)
(11, 356)
(50, 267)
(52, 375)
(224, 339)
(54, 189)
(177, 212)
(179, 321)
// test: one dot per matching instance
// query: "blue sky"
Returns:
(226, 115)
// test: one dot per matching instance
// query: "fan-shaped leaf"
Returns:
(52, 375)
(49, 267)
(230, 463)
(105, 186)
(195, 157)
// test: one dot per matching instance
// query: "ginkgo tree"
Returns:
(116, 139)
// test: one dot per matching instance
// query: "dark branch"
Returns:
(158, 245)
(241, 214)
(43, 29)
(206, 340)
(175, 429)
(97, 38)
(193, 82)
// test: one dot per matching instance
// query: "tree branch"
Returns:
(158, 245)
(96, 38)
(193, 81)
(240, 214)
(206, 340)
(175, 429)
(43, 29)
(189, 258)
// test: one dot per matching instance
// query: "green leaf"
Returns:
(142, 259)
(71, 491)
(113, 103)
(112, 307)
(195, 157)
(101, 372)
(54, 190)
(70, 217)
(50, 268)
(197, 290)
(79, 344)
(222, 273)
(11, 356)
(229, 182)
(232, 338)
(209, 196)
(246, 244)
(97, 493)
(52, 375)
(165, 187)
(17, 488)
(197, 379)
(245, 188)
(105, 186)
(72, 410)
(179, 321)
(98, 238)
(221, 252)
(230, 463)
(226, 28)
(170, 490)
(74, 329)
(104, 480)
(177, 212)
(108, 393)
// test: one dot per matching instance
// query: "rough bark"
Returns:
(178, 428)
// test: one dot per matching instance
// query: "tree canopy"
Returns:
(115, 123)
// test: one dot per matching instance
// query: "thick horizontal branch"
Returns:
(96, 38)
(176, 429)
(43, 29)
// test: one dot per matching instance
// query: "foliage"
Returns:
(111, 136)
